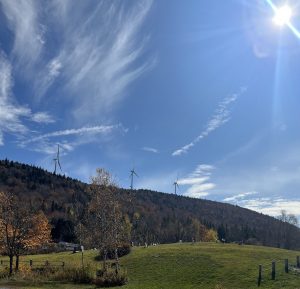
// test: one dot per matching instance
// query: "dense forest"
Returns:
(155, 217)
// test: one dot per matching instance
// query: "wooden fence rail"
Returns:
(33, 263)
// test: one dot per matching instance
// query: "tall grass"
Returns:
(74, 274)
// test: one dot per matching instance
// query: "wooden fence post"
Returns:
(47, 263)
(63, 265)
(30, 263)
(259, 275)
(298, 261)
(273, 270)
(286, 265)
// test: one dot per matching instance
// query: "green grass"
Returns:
(188, 266)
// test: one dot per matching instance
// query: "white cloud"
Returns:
(199, 190)
(272, 206)
(54, 68)
(42, 117)
(238, 197)
(1, 139)
(12, 114)
(69, 139)
(150, 150)
(203, 170)
(100, 129)
(192, 181)
(47, 77)
(97, 60)
(50, 148)
(219, 118)
(198, 181)
(22, 17)
(95, 56)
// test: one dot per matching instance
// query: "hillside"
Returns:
(155, 217)
(185, 266)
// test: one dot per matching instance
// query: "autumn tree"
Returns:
(211, 235)
(21, 228)
(103, 178)
(35, 233)
(104, 217)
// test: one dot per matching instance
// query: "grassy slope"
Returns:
(187, 266)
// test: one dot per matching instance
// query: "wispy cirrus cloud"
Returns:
(12, 115)
(95, 56)
(101, 129)
(219, 118)
(69, 139)
(198, 181)
(150, 150)
(98, 59)
(23, 20)
(239, 197)
(47, 77)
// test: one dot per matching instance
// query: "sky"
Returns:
(205, 93)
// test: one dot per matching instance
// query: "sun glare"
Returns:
(283, 16)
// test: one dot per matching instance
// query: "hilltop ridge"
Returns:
(155, 216)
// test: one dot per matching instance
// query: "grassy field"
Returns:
(188, 266)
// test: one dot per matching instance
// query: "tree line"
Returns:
(151, 217)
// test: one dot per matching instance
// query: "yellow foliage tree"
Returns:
(21, 228)
(211, 236)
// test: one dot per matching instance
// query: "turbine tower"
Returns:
(176, 186)
(57, 161)
(132, 174)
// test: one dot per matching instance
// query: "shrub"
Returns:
(4, 273)
(76, 275)
(24, 272)
(110, 278)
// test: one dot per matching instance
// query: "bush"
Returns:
(4, 273)
(110, 278)
(76, 275)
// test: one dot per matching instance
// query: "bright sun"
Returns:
(283, 15)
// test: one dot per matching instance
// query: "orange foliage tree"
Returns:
(21, 228)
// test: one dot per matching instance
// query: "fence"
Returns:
(276, 266)
(37, 264)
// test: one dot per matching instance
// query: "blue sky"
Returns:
(204, 91)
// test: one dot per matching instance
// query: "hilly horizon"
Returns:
(153, 129)
(163, 218)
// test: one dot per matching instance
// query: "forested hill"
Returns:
(155, 217)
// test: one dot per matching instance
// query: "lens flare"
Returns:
(283, 16)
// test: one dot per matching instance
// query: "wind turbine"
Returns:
(176, 186)
(132, 174)
(56, 160)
